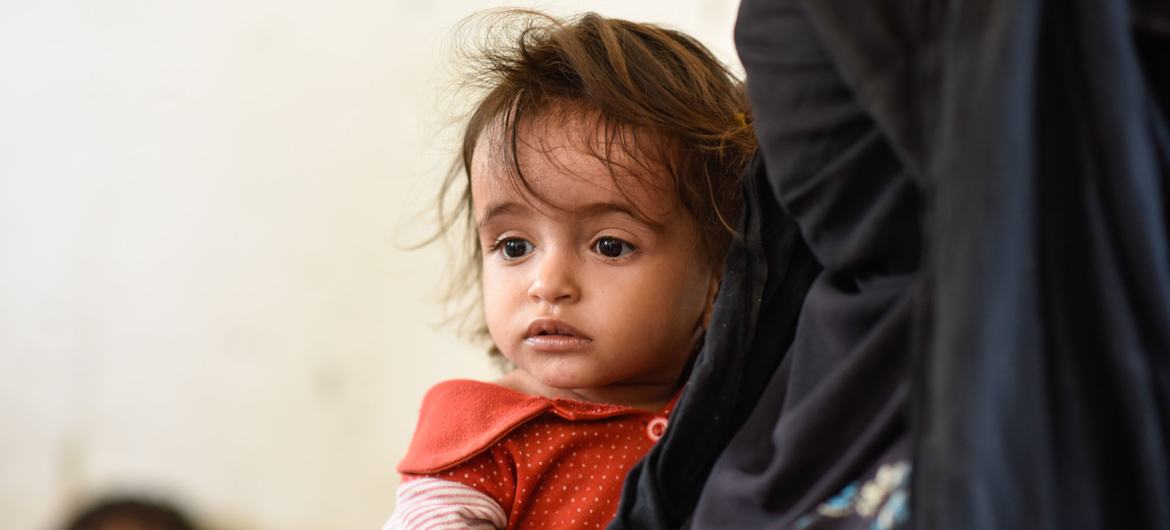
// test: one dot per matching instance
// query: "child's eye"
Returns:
(514, 248)
(612, 247)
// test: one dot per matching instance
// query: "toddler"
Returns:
(601, 172)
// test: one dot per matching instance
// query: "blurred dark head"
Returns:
(130, 514)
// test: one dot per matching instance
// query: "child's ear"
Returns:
(712, 292)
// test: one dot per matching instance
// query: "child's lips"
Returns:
(557, 343)
(552, 335)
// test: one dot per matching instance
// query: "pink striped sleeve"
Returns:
(436, 504)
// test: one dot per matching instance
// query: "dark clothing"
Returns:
(1044, 392)
(956, 254)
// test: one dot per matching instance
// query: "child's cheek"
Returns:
(500, 292)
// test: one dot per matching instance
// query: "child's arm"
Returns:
(476, 494)
(428, 502)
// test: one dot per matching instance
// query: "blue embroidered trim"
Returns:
(884, 500)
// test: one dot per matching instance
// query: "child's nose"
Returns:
(555, 281)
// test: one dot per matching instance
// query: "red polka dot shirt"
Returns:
(484, 456)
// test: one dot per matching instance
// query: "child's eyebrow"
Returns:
(589, 210)
(495, 210)
(603, 208)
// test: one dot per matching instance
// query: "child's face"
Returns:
(584, 294)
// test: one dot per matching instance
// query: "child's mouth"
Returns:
(554, 336)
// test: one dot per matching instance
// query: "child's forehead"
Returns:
(556, 193)
(568, 163)
(571, 142)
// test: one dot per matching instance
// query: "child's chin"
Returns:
(568, 381)
(563, 383)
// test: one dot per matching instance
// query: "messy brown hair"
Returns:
(655, 95)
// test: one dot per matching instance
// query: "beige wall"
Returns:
(203, 292)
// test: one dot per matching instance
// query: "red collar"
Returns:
(461, 418)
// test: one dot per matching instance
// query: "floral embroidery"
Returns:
(895, 511)
(841, 504)
(883, 499)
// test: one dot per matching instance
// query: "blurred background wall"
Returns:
(204, 291)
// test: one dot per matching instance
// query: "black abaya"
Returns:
(981, 282)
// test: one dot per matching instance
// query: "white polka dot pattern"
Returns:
(559, 473)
